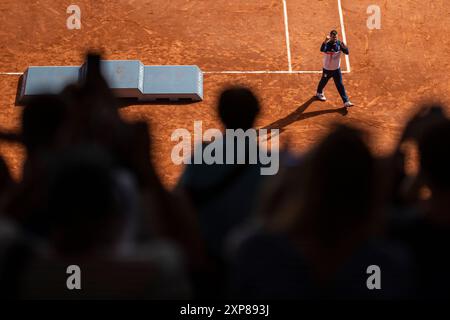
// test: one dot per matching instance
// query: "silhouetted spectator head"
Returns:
(427, 117)
(434, 147)
(339, 186)
(42, 118)
(238, 108)
(85, 208)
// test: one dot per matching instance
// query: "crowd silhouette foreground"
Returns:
(89, 196)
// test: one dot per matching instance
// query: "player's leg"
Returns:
(322, 83)
(337, 77)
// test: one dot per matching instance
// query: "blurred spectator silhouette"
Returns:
(223, 195)
(320, 243)
(428, 232)
(89, 193)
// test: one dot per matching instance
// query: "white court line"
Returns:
(286, 27)
(344, 38)
(261, 72)
(228, 72)
(266, 72)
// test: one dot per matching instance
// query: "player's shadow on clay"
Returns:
(299, 114)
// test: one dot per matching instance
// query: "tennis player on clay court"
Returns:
(332, 48)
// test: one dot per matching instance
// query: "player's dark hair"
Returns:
(333, 33)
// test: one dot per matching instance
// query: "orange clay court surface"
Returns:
(392, 69)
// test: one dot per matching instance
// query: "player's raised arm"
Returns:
(324, 44)
(344, 48)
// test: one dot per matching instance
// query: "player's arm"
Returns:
(344, 48)
(323, 47)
